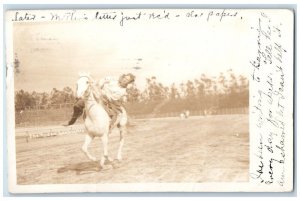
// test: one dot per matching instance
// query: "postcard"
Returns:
(150, 100)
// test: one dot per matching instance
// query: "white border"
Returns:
(151, 2)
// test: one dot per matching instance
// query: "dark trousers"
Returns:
(77, 111)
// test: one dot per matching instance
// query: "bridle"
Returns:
(88, 92)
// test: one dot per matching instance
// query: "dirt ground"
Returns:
(198, 149)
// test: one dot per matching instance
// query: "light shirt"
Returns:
(111, 89)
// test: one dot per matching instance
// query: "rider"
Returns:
(113, 92)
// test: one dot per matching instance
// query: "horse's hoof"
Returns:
(116, 163)
(108, 162)
(98, 168)
(106, 167)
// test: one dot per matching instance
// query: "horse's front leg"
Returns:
(84, 148)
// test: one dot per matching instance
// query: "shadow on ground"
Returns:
(89, 167)
(81, 168)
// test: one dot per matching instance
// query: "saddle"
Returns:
(113, 108)
(107, 106)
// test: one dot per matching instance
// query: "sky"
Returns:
(51, 54)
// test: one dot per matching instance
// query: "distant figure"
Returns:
(184, 114)
(187, 114)
(207, 112)
(181, 115)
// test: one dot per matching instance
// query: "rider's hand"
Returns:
(124, 99)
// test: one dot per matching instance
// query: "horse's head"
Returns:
(83, 84)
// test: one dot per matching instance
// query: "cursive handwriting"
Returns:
(221, 15)
(123, 17)
(24, 17)
(105, 16)
(160, 16)
(258, 173)
(268, 103)
(68, 16)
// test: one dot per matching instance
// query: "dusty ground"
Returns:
(198, 149)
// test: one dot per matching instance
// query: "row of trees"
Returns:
(34, 100)
(225, 91)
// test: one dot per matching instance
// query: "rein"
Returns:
(91, 92)
(87, 98)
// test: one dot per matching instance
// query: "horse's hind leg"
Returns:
(122, 135)
(123, 131)
(104, 159)
(84, 148)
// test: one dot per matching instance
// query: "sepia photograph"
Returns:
(163, 98)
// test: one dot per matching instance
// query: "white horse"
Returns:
(96, 118)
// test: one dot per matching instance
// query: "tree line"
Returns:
(35, 100)
(227, 90)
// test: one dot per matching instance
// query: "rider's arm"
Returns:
(104, 81)
(124, 99)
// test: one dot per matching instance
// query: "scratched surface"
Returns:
(198, 149)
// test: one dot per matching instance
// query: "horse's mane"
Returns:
(96, 92)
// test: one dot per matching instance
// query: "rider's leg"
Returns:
(77, 111)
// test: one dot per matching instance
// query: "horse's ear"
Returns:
(83, 74)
